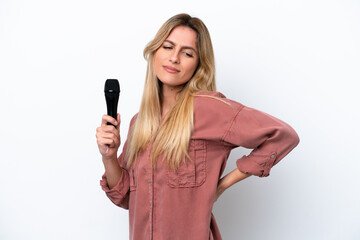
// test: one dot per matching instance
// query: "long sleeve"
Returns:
(270, 138)
(119, 194)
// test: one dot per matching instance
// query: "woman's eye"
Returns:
(188, 54)
(166, 47)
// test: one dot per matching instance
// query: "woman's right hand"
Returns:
(108, 137)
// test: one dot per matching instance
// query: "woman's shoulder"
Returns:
(213, 113)
(208, 93)
(133, 119)
(216, 99)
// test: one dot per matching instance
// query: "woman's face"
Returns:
(176, 60)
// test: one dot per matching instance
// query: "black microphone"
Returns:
(112, 91)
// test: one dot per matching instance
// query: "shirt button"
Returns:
(149, 180)
(272, 156)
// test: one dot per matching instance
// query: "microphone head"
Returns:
(112, 85)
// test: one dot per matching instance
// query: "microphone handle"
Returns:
(111, 103)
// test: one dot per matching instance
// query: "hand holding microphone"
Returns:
(108, 134)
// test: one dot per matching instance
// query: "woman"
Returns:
(168, 174)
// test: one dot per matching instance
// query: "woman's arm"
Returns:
(113, 171)
(108, 139)
(230, 179)
(270, 138)
(115, 181)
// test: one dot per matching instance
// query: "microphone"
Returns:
(112, 91)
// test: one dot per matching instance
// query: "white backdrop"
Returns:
(296, 60)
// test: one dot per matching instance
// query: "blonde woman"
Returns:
(169, 172)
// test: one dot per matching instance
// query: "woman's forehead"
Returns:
(183, 36)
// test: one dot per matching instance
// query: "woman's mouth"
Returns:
(171, 69)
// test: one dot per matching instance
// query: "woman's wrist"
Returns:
(109, 159)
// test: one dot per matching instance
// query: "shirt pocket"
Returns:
(190, 174)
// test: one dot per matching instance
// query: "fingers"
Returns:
(108, 135)
(112, 137)
(112, 143)
(106, 119)
(108, 129)
(107, 139)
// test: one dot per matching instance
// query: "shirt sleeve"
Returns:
(119, 194)
(270, 138)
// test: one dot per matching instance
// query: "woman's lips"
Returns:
(171, 69)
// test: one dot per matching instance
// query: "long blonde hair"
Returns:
(173, 136)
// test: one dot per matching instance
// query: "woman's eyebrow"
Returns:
(184, 47)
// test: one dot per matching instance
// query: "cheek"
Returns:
(157, 63)
(191, 68)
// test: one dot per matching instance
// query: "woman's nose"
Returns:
(174, 58)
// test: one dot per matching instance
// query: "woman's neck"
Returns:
(169, 95)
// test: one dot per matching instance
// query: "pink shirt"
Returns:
(164, 205)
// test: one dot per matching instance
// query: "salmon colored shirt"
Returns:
(164, 205)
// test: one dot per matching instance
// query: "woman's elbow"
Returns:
(292, 137)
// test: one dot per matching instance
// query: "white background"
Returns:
(296, 60)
